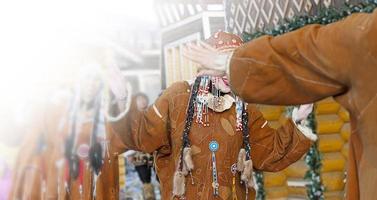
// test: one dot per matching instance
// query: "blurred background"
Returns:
(46, 44)
(47, 47)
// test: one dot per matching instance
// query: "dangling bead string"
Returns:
(178, 185)
(246, 143)
(205, 101)
(239, 112)
(214, 146)
(217, 90)
(192, 178)
(216, 100)
(245, 130)
(72, 164)
(201, 102)
(214, 91)
(96, 159)
(206, 119)
(95, 150)
(68, 143)
(189, 118)
(234, 172)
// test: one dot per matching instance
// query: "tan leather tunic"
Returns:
(160, 129)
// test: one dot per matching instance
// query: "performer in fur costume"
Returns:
(208, 141)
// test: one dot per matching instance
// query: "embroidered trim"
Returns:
(264, 124)
(307, 132)
(157, 111)
(303, 126)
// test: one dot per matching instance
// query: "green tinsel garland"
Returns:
(315, 189)
(313, 158)
(261, 195)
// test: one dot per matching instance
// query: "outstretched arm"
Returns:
(144, 131)
(276, 149)
(299, 67)
(128, 127)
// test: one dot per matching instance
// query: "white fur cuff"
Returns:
(306, 131)
(126, 102)
(303, 126)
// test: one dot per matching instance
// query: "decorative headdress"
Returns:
(224, 41)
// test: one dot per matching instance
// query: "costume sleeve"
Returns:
(273, 150)
(27, 164)
(305, 65)
(52, 172)
(143, 131)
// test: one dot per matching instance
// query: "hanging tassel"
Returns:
(95, 157)
(187, 158)
(184, 171)
(241, 160)
(251, 183)
(178, 184)
(188, 163)
(247, 174)
(247, 171)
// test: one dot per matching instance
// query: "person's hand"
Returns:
(302, 112)
(113, 77)
(212, 61)
(116, 82)
(299, 115)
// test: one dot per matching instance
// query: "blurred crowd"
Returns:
(66, 151)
